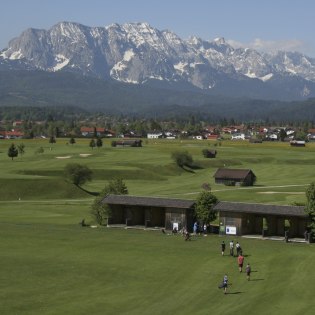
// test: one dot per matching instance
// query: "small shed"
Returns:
(234, 176)
(150, 212)
(127, 143)
(238, 218)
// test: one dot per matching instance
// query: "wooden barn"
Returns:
(231, 176)
(149, 212)
(248, 218)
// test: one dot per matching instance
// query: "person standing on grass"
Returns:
(238, 248)
(240, 260)
(195, 228)
(222, 248)
(248, 271)
(232, 248)
(225, 283)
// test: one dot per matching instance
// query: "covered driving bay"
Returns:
(149, 212)
(238, 218)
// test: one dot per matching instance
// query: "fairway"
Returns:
(52, 265)
(53, 269)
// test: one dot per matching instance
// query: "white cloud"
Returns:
(271, 46)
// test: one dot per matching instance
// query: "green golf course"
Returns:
(50, 264)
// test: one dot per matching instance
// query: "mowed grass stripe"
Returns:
(138, 272)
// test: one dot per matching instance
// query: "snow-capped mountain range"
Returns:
(138, 53)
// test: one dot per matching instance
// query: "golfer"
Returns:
(232, 248)
(222, 248)
(225, 283)
(240, 261)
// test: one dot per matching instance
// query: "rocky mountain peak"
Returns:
(138, 53)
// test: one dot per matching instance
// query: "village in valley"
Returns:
(27, 129)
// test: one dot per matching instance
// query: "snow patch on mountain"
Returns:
(156, 77)
(3, 55)
(137, 52)
(266, 77)
(181, 66)
(123, 64)
(16, 55)
(61, 61)
(194, 64)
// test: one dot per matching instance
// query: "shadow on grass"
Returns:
(191, 168)
(92, 193)
(196, 167)
(236, 292)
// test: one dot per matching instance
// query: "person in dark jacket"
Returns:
(222, 248)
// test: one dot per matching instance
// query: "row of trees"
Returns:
(14, 150)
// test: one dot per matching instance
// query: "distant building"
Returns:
(235, 176)
(238, 136)
(90, 131)
(155, 135)
(213, 137)
(17, 123)
(150, 212)
(127, 143)
(13, 134)
(237, 218)
(100, 132)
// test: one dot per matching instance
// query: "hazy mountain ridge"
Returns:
(138, 53)
(69, 90)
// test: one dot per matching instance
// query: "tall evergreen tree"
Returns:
(52, 139)
(99, 142)
(92, 144)
(13, 151)
(72, 140)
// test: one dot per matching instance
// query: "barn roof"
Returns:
(148, 201)
(232, 173)
(255, 208)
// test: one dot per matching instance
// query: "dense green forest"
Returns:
(68, 93)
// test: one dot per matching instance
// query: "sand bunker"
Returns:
(85, 154)
(63, 157)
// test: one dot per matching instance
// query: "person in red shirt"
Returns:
(240, 260)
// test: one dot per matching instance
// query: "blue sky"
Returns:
(260, 24)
